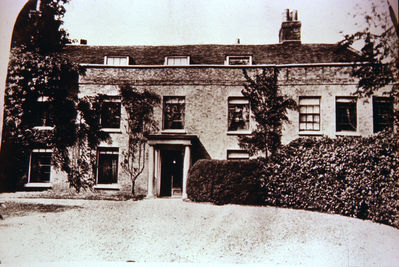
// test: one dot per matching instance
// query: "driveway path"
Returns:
(171, 230)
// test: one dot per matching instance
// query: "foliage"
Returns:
(222, 182)
(379, 41)
(81, 164)
(41, 31)
(37, 70)
(139, 107)
(351, 176)
(31, 76)
(269, 110)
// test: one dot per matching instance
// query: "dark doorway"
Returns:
(171, 172)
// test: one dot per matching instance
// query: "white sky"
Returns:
(155, 22)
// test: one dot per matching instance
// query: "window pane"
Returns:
(382, 113)
(237, 155)
(117, 61)
(174, 112)
(42, 114)
(40, 167)
(302, 109)
(346, 114)
(177, 61)
(244, 60)
(309, 101)
(309, 112)
(238, 114)
(107, 166)
(110, 113)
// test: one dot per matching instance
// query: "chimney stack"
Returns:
(290, 27)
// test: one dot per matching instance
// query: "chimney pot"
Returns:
(290, 30)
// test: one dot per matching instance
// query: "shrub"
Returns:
(222, 182)
(351, 176)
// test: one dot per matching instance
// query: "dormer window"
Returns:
(116, 60)
(238, 60)
(177, 60)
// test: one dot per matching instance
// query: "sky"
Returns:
(169, 22)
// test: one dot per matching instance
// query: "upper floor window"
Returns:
(43, 116)
(238, 114)
(110, 112)
(107, 166)
(346, 117)
(239, 60)
(177, 60)
(40, 166)
(116, 60)
(173, 112)
(382, 113)
(309, 114)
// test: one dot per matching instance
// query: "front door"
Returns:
(171, 172)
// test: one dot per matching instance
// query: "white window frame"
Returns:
(107, 150)
(41, 127)
(308, 101)
(239, 100)
(107, 59)
(227, 62)
(38, 184)
(347, 99)
(237, 154)
(171, 130)
(167, 63)
(112, 99)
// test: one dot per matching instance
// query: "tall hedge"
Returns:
(352, 176)
(222, 182)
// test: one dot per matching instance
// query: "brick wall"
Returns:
(206, 91)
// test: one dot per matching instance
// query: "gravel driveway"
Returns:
(171, 230)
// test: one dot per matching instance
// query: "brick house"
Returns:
(203, 111)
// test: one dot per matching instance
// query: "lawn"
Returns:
(171, 230)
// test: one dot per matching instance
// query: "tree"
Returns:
(42, 90)
(38, 26)
(379, 42)
(139, 107)
(269, 110)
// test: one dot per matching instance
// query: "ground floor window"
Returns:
(107, 170)
(40, 166)
(382, 113)
(346, 117)
(237, 154)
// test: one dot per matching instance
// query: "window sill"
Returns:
(107, 187)
(44, 128)
(246, 132)
(346, 133)
(111, 130)
(38, 185)
(310, 133)
(181, 131)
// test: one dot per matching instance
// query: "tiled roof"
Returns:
(286, 53)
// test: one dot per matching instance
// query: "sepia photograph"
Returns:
(199, 132)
